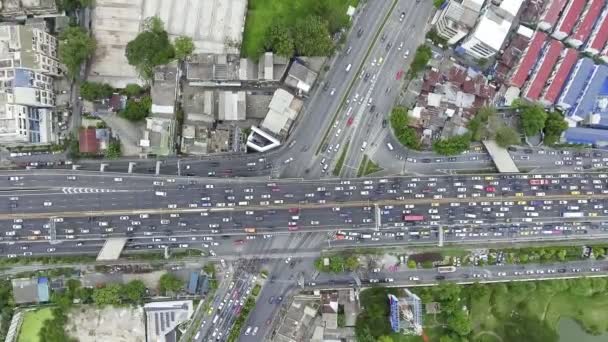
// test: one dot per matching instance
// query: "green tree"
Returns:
(478, 126)
(72, 5)
(407, 136)
(385, 338)
(75, 46)
(421, 59)
(459, 322)
(454, 145)
(561, 254)
(334, 15)
(351, 263)
(133, 89)
(137, 109)
(170, 283)
(506, 136)
(555, 125)
(279, 38)
(183, 47)
(113, 151)
(93, 91)
(107, 295)
(311, 36)
(599, 252)
(533, 119)
(150, 48)
(411, 263)
(134, 291)
(437, 3)
(336, 264)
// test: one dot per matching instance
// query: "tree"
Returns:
(134, 291)
(279, 38)
(385, 338)
(561, 254)
(150, 48)
(533, 119)
(411, 263)
(507, 136)
(93, 91)
(407, 136)
(351, 263)
(437, 3)
(137, 109)
(75, 46)
(599, 252)
(107, 295)
(183, 47)
(454, 145)
(72, 5)
(478, 126)
(336, 264)
(113, 151)
(311, 36)
(170, 283)
(555, 125)
(421, 59)
(133, 89)
(459, 322)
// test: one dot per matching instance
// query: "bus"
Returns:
(446, 269)
(413, 218)
(249, 230)
(572, 214)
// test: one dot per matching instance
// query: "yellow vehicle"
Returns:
(519, 194)
(522, 203)
(575, 193)
(434, 204)
(592, 214)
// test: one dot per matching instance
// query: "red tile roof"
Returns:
(571, 16)
(457, 75)
(88, 141)
(560, 76)
(600, 34)
(552, 11)
(527, 62)
(544, 71)
(583, 30)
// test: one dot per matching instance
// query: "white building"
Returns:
(28, 62)
(457, 19)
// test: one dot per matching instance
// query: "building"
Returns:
(557, 80)
(599, 35)
(162, 319)
(30, 290)
(586, 136)
(18, 9)
(193, 283)
(232, 106)
(300, 77)
(528, 61)
(488, 36)
(545, 67)
(161, 124)
(570, 15)
(551, 14)
(92, 141)
(406, 314)
(28, 63)
(576, 83)
(282, 112)
(584, 27)
(457, 18)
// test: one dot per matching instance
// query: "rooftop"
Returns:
(492, 30)
(584, 27)
(551, 13)
(164, 89)
(576, 82)
(300, 77)
(584, 135)
(87, 140)
(547, 63)
(529, 59)
(572, 13)
(556, 83)
(599, 36)
(231, 105)
(283, 109)
(163, 317)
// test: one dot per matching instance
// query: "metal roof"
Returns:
(528, 60)
(599, 37)
(587, 102)
(558, 79)
(551, 13)
(591, 15)
(584, 135)
(547, 63)
(570, 16)
(576, 82)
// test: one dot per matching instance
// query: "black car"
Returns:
(426, 160)
(384, 123)
(440, 277)
(360, 32)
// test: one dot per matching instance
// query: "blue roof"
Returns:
(576, 82)
(193, 283)
(43, 289)
(588, 101)
(583, 135)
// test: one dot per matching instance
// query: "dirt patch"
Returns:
(89, 324)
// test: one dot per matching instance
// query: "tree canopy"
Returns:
(311, 36)
(279, 39)
(555, 125)
(150, 48)
(407, 136)
(421, 59)
(454, 145)
(133, 89)
(134, 291)
(93, 91)
(137, 109)
(108, 295)
(113, 151)
(169, 282)
(75, 46)
(533, 119)
(183, 47)
(507, 136)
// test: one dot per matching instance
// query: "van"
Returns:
(215, 319)
(350, 48)
(161, 193)
(470, 215)
(348, 67)
(364, 145)
(248, 331)
(390, 147)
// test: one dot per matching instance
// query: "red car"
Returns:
(349, 121)
(490, 189)
(294, 210)
(399, 74)
(293, 228)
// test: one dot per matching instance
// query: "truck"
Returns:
(572, 214)
(413, 218)
(249, 230)
(538, 181)
(446, 269)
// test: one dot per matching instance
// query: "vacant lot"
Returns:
(120, 324)
(32, 323)
(263, 13)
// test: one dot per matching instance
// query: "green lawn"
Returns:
(32, 323)
(367, 167)
(262, 13)
(340, 162)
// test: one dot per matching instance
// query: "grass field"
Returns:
(32, 323)
(367, 167)
(263, 13)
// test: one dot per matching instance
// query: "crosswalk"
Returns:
(73, 191)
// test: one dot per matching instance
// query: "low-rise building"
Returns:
(300, 77)
(163, 318)
(457, 18)
(30, 290)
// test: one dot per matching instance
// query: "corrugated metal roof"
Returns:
(571, 15)
(529, 59)
(586, 102)
(584, 135)
(562, 71)
(600, 33)
(576, 82)
(551, 13)
(584, 28)
(539, 79)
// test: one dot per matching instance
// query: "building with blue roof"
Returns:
(593, 98)
(43, 290)
(577, 82)
(586, 136)
(193, 283)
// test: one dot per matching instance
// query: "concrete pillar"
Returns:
(102, 167)
(131, 165)
(158, 162)
(440, 240)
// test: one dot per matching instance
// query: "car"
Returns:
(332, 92)
(401, 16)
(271, 300)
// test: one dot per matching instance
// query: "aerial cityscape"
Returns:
(306, 170)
